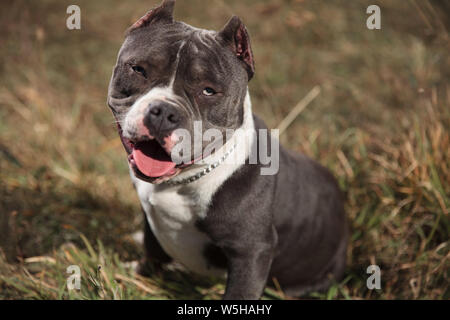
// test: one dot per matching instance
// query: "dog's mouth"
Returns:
(150, 161)
(150, 158)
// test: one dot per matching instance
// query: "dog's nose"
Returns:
(161, 116)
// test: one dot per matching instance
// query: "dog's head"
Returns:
(169, 75)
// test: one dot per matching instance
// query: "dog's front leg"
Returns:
(154, 256)
(248, 269)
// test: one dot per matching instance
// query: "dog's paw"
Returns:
(133, 265)
(138, 238)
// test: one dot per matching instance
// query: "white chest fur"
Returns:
(172, 216)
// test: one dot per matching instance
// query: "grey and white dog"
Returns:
(213, 217)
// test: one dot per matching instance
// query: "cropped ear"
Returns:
(235, 34)
(162, 13)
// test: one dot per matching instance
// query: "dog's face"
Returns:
(169, 75)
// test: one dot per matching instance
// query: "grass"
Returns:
(380, 124)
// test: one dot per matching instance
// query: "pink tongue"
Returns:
(152, 160)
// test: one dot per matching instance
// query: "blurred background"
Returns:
(380, 124)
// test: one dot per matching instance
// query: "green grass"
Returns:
(381, 125)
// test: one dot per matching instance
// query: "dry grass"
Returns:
(381, 124)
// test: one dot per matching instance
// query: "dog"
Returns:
(215, 217)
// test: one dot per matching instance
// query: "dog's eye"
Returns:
(209, 92)
(139, 70)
